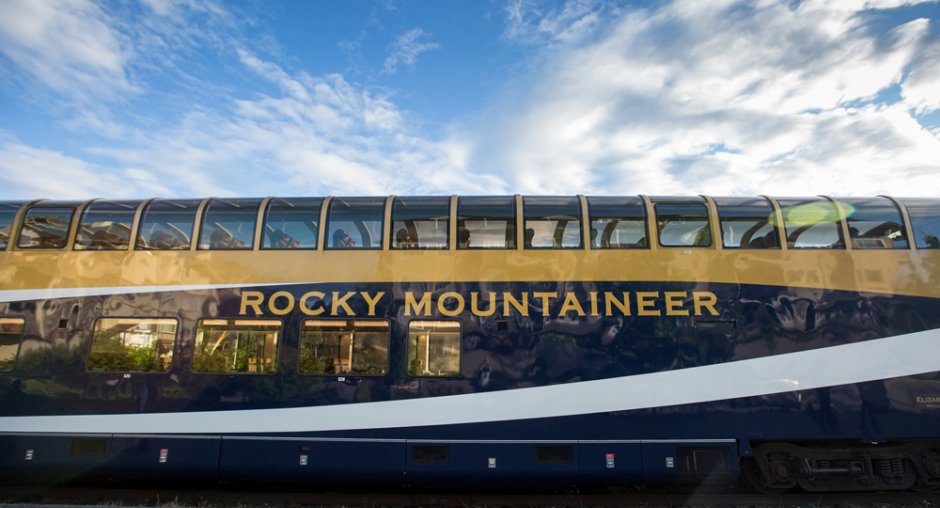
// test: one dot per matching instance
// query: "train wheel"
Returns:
(754, 479)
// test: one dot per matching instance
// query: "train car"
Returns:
(791, 342)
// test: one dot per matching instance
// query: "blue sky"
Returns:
(180, 98)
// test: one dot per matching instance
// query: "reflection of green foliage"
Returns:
(232, 358)
(932, 241)
(51, 371)
(109, 354)
(7, 365)
(309, 362)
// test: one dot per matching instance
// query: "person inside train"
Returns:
(404, 240)
(341, 240)
(463, 238)
(529, 235)
(222, 239)
(162, 240)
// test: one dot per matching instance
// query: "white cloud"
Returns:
(921, 89)
(730, 97)
(405, 49)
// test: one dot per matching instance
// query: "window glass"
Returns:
(237, 345)
(229, 224)
(874, 223)
(7, 216)
(46, 227)
(811, 223)
(339, 346)
(617, 222)
(167, 224)
(355, 223)
(433, 348)
(552, 222)
(747, 223)
(420, 223)
(925, 221)
(11, 331)
(292, 223)
(132, 345)
(683, 225)
(106, 225)
(486, 223)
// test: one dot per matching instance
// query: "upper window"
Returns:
(292, 223)
(420, 223)
(874, 223)
(486, 223)
(747, 223)
(236, 345)
(683, 225)
(552, 222)
(229, 224)
(106, 225)
(617, 222)
(434, 348)
(46, 227)
(339, 346)
(355, 223)
(167, 224)
(811, 223)
(132, 345)
(7, 216)
(925, 222)
(11, 331)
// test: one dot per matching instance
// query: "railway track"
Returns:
(39, 497)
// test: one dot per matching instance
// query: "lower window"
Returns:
(246, 346)
(11, 330)
(433, 348)
(132, 345)
(340, 346)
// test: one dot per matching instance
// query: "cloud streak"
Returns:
(406, 49)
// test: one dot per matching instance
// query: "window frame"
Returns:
(16, 206)
(784, 203)
(643, 219)
(72, 207)
(578, 221)
(511, 242)
(174, 352)
(19, 344)
(378, 204)
(722, 204)
(660, 226)
(394, 219)
(458, 374)
(205, 244)
(90, 207)
(350, 374)
(846, 203)
(921, 204)
(145, 245)
(267, 216)
(277, 347)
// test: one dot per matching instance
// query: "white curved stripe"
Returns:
(21, 295)
(902, 355)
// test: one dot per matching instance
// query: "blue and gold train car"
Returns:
(437, 340)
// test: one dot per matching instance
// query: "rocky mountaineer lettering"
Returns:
(484, 304)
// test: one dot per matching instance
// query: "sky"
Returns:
(191, 98)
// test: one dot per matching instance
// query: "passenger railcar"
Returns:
(409, 340)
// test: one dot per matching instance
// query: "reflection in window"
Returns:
(167, 225)
(132, 345)
(811, 223)
(433, 348)
(747, 223)
(552, 222)
(7, 216)
(683, 225)
(338, 346)
(486, 223)
(236, 345)
(292, 223)
(106, 225)
(11, 330)
(229, 224)
(925, 221)
(874, 223)
(355, 223)
(46, 227)
(617, 222)
(420, 223)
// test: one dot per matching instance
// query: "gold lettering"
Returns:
(611, 301)
(544, 296)
(594, 311)
(419, 308)
(646, 303)
(571, 304)
(704, 300)
(475, 304)
(441, 307)
(306, 309)
(251, 299)
(341, 302)
(371, 302)
(280, 311)
(522, 307)
(674, 302)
